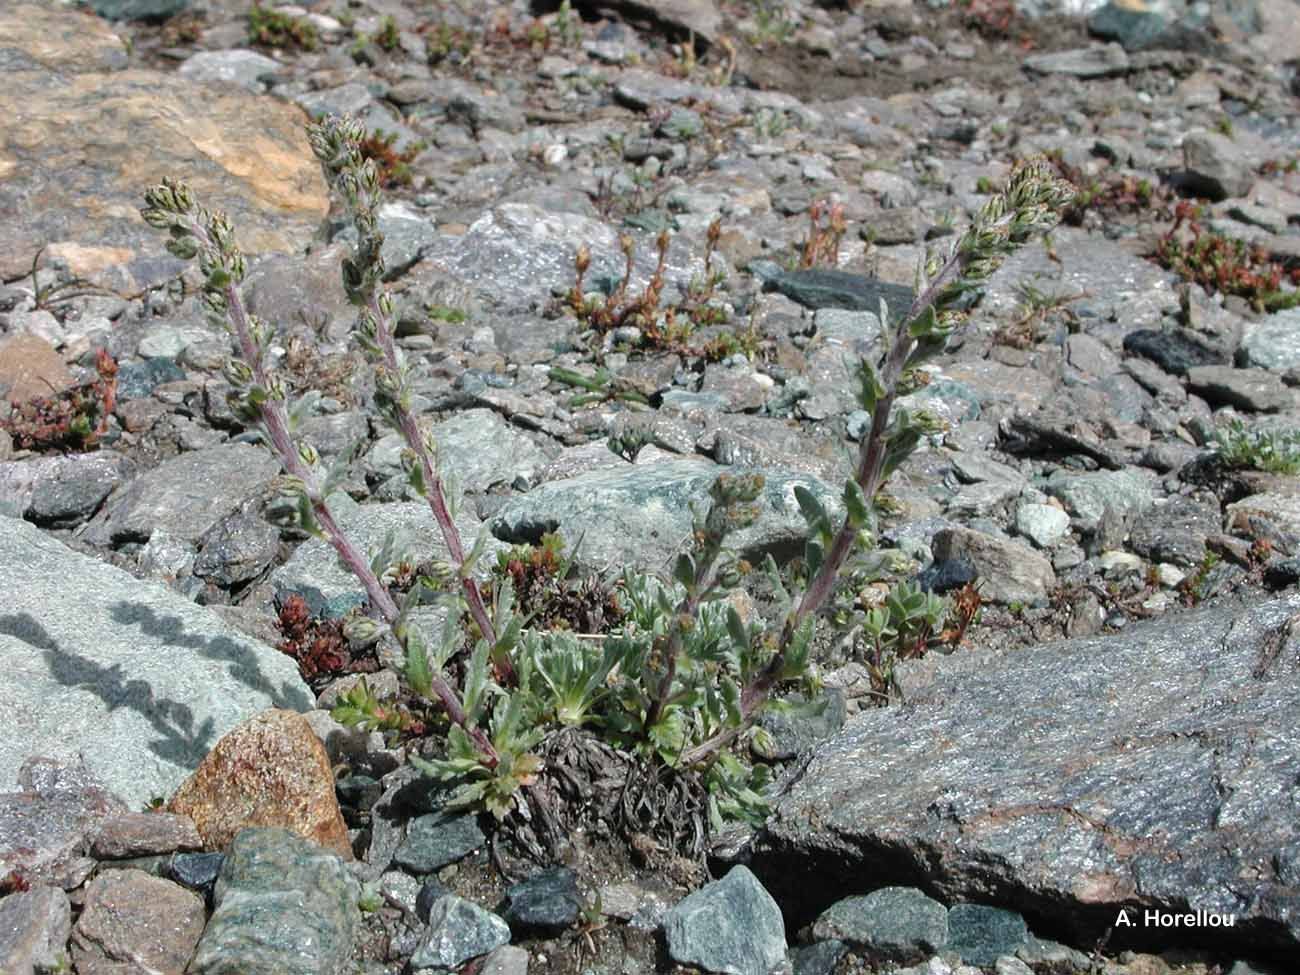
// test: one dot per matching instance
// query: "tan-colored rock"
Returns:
(89, 136)
(29, 367)
(271, 770)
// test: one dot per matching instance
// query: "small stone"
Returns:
(1272, 343)
(271, 770)
(197, 871)
(981, 934)
(1042, 524)
(458, 931)
(1117, 565)
(819, 958)
(548, 900)
(945, 575)
(1173, 351)
(1099, 61)
(34, 929)
(282, 905)
(136, 834)
(898, 923)
(731, 925)
(129, 914)
(431, 891)
(1256, 390)
(1216, 166)
(1282, 573)
(506, 960)
(1169, 576)
(1011, 572)
(1272, 516)
(437, 839)
(30, 368)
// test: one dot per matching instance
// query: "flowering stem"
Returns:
(1029, 205)
(434, 492)
(276, 423)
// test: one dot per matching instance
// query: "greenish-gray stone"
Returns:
(981, 934)
(829, 288)
(282, 906)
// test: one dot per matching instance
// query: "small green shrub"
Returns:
(679, 675)
(270, 28)
(1274, 451)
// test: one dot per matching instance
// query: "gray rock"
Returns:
(1119, 286)
(315, 572)
(980, 934)
(1090, 355)
(184, 496)
(437, 839)
(407, 235)
(732, 926)
(243, 68)
(819, 958)
(1176, 532)
(1216, 166)
(548, 900)
(1042, 524)
(898, 923)
(1135, 28)
(675, 17)
(479, 447)
(506, 960)
(154, 11)
(458, 930)
(62, 490)
(851, 329)
(34, 929)
(1103, 505)
(639, 89)
(237, 549)
(1071, 778)
(640, 516)
(1272, 343)
(829, 288)
(45, 828)
(1249, 389)
(282, 906)
(1010, 572)
(138, 680)
(742, 389)
(138, 380)
(354, 98)
(282, 288)
(519, 253)
(1174, 351)
(1098, 61)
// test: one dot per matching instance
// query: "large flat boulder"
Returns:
(1150, 770)
(133, 677)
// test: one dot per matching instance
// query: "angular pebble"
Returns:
(899, 923)
(127, 914)
(458, 931)
(283, 906)
(731, 925)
